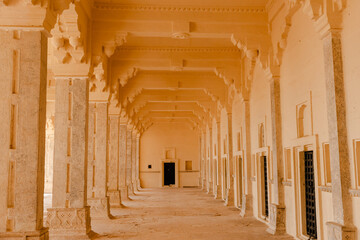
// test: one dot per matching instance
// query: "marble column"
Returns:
(210, 176)
(133, 160)
(138, 186)
(69, 217)
(129, 159)
(214, 164)
(229, 201)
(23, 59)
(113, 162)
(97, 159)
(201, 163)
(218, 163)
(246, 202)
(203, 160)
(49, 156)
(207, 161)
(122, 160)
(277, 206)
(342, 226)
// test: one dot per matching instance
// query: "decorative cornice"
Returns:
(355, 192)
(326, 188)
(122, 7)
(173, 49)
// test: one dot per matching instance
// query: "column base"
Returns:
(203, 184)
(277, 220)
(114, 198)
(130, 189)
(218, 193)
(229, 201)
(134, 186)
(337, 231)
(209, 188)
(246, 206)
(99, 208)
(69, 223)
(42, 234)
(124, 193)
(138, 184)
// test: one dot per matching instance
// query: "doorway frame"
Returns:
(298, 146)
(176, 161)
(259, 154)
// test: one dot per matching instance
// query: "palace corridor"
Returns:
(179, 119)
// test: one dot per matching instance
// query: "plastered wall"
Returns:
(169, 135)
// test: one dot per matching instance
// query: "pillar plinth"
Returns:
(99, 207)
(35, 235)
(337, 231)
(23, 59)
(124, 193)
(70, 216)
(229, 201)
(246, 205)
(277, 220)
(114, 198)
(69, 223)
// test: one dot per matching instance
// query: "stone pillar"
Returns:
(203, 160)
(69, 217)
(210, 176)
(129, 159)
(97, 159)
(113, 163)
(133, 160)
(246, 202)
(207, 161)
(218, 163)
(122, 160)
(342, 226)
(277, 207)
(23, 59)
(230, 165)
(49, 155)
(138, 187)
(201, 163)
(214, 166)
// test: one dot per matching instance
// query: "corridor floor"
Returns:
(172, 214)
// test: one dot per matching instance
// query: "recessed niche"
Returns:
(188, 165)
(149, 166)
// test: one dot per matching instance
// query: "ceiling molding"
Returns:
(122, 7)
(177, 49)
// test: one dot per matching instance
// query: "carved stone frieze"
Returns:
(69, 223)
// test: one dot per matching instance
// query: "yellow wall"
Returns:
(169, 135)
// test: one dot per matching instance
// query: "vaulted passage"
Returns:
(179, 119)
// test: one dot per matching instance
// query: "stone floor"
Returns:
(173, 214)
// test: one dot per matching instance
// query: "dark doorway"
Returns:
(265, 187)
(310, 203)
(169, 174)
